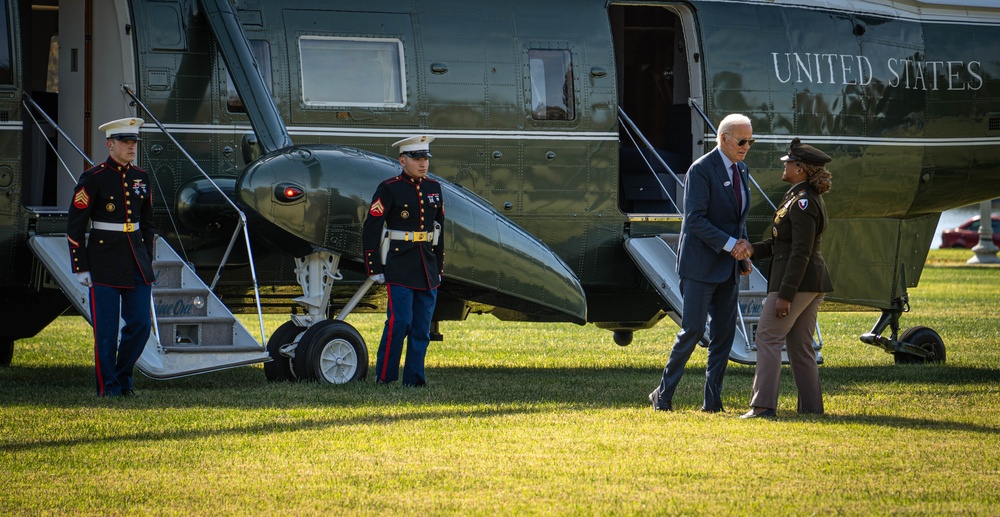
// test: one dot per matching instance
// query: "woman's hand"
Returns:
(781, 307)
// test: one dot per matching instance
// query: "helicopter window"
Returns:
(352, 72)
(166, 27)
(551, 76)
(6, 72)
(262, 53)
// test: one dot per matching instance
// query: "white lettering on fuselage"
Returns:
(848, 69)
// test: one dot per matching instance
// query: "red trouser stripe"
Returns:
(388, 333)
(97, 356)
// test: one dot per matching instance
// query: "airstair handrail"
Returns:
(30, 105)
(242, 225)
(631, 125)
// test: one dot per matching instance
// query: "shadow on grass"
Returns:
(557, 384)
(269, 427)
(484, 390)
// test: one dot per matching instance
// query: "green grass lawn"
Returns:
(548, 419)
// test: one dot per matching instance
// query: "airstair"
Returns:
(193, 331)
(656, 257)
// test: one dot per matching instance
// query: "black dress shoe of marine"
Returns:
(659, 405)
(767, 413)
(713, 410)
(128, 393)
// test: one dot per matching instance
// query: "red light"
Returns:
(288, 192)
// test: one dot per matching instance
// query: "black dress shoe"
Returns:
(767, 413)
(659, 405)
(128, 393)
(715, 410)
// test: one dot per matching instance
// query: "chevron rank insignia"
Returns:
(377, 208)
(81, 200)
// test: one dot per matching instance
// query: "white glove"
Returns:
(378, 279)
(84, 278)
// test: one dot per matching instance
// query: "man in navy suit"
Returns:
(712, 256)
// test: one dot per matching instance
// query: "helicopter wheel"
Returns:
(332, 352)
(923, 338)
(279, 368)
(623, 337)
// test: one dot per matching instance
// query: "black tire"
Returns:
(334, 353)
(6, 352)
(623, 337)
(924, 338)
(280, 367)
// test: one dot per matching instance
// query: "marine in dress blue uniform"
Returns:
(404, 248)
(116, 260)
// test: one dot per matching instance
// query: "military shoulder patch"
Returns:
(803, 203)
(377, 208)
(81, 199)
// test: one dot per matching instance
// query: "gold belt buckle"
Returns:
(129, 227)
(419, 236)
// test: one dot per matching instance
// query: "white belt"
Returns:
(116, 227)
(400, 235)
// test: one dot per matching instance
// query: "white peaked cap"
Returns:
(123, 128)
(418, 145)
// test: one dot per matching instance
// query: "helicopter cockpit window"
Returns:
(262, 53)
(364, 72)
(551, 76)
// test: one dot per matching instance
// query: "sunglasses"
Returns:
(743, 141)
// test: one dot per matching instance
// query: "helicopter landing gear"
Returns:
(915, 345)
(310, 346)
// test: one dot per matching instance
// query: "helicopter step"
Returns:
(656, 257)
(193, 333)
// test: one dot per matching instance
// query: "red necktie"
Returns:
(737, 189)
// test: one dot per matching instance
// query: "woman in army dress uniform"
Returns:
(797, 284)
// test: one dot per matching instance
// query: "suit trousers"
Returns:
(408, 316)
(795, 332)
(701, 300)
(114, 359)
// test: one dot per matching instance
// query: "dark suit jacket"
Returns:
(710, 219)
(795, 244)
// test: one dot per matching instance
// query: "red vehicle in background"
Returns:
(966, 235)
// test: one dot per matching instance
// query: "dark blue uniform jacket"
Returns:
(119, 194)
(406, 204)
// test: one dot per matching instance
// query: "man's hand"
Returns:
(745, 267)
(378, 279)
(84, 278)
(742, 250)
